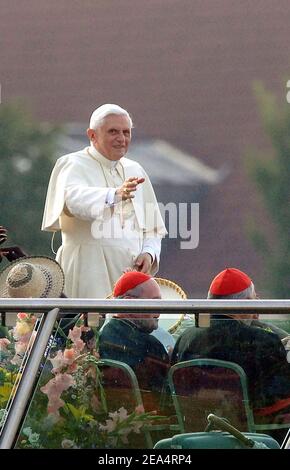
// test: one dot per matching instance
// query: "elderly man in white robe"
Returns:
(105, 207)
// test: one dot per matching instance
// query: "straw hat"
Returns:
(170, 291)
(32, 276)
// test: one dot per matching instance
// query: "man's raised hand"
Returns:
(127, 189)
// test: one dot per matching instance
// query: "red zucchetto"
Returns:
(230, 281)
(128, 281)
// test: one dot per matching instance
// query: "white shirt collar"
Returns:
(93, 152)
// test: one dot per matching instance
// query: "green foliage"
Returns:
(270, 172)
(27, 149)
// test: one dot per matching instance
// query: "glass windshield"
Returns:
(132, 384)
(17, 334)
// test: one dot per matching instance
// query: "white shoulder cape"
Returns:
(80, 169)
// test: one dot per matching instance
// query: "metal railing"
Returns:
(51, 307)
(134, 305)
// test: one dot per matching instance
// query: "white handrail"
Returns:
(144, 305)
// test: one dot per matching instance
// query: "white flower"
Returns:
(68, 444)
(33, 437)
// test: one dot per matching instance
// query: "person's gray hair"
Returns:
(248, 293)
(98, 116)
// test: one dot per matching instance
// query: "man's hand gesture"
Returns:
(127, 189)
(143, 263)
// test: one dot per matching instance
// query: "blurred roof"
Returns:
(164, 162)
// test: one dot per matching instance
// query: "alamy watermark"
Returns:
(181, 220)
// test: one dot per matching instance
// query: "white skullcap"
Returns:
(102, 111)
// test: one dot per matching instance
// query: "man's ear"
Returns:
(91, 133)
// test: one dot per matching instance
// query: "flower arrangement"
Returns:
(70, 408)
(12, 353)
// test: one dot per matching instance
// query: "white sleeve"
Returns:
(87, 203)
(110, 199)
(153, 247)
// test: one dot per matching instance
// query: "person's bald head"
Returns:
(136, 285)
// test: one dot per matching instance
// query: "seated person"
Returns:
(28, 277)
(37, 277)
(233, 338)
(3, 234)
(127, 338)
(241, 294)
(10, 252)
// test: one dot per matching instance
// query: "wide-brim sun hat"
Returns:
(32, 277)
(170, 291)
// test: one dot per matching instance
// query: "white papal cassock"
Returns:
(100, 240)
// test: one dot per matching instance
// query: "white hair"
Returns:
(101, 112)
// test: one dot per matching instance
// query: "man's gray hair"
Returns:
(98, 116)
(248, 293)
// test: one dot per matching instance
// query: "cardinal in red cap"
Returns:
(245, 341)
(138, 285)
(231, 283)
(129, 281)
(127, 337)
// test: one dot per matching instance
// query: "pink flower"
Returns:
(75, 336)
(75, 333)
(57, 385)
(54, 405)
(22, 316)
(54, 388)
(26, 318)
(69, 355)
(139, 409)
(72, 368)
(79, 345)
(57, 361)
(4, 343)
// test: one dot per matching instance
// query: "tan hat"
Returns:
(32, 276)
(170, 291)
